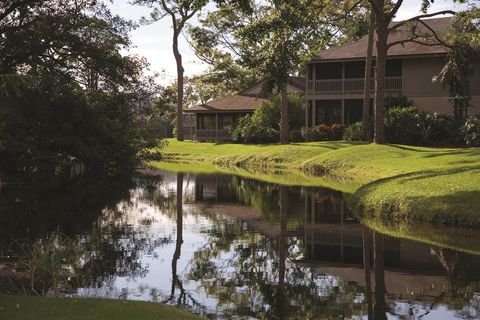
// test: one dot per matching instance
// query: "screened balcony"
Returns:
(348, 78)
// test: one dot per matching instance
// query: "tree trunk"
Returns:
(368, 75)
(382, 35)
(367, 244)
(284, 115)
(380, 307)
(179, 241)
(180, 70)
(282, 253)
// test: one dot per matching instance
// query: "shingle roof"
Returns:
(358, 49)
(230, 103)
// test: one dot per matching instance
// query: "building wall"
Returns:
(428, 96)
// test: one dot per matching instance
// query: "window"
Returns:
(207, 121)
(227, 121)
(393, 68)
(355, 69)
(328, 70)
(310, 71)
(328, 112)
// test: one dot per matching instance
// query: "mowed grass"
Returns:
(439, 185)
(40, 308)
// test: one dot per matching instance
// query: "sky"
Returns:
(154, 41)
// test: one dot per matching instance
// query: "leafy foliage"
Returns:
(402, 125)
(250, 131)
(354, 132)
(471, 130)
(53, 128)
(268, 115)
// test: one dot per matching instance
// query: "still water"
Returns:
(228, 247)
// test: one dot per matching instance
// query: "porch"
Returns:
(215, 126)
(328, 112)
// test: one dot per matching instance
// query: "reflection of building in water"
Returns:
(332, 237)
(215, 188)
(333, 244)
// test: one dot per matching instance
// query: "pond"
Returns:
(229, 247)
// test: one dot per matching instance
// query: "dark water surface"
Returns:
(229, 247)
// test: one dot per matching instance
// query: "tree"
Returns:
(384, 12)
(74, 100)
(368, 75)
(464, 44)
(283, 33)
(180, 11)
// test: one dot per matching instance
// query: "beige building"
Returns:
(335, 78)
(214, 120)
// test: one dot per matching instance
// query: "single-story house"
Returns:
(214, 120)
(335, 77)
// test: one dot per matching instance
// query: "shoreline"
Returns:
(395, 182)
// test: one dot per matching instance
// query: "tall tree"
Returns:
(368, 75)
(384, 12)
(463, 40)
(180, 11)
(284, 33)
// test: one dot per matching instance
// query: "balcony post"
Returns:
(314, 110)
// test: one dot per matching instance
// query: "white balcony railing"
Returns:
(350, 86)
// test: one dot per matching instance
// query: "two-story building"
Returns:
(335, 77)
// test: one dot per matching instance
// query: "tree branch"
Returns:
(417, 18)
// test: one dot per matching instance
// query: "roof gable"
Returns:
(357, 49)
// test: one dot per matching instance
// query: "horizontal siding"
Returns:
(417, 77)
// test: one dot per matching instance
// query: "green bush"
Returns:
(268, 115)
(399, 101)
(471, 131)
(295, 136)
(250, 131)
(354, 132)
(403, 126)
(439, 129)
(310, 134)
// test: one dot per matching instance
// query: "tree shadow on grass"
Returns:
(440, 151)
(456, 207)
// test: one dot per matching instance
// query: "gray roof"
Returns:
(357, 49)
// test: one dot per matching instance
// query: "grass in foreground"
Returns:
(39, 308)
(426, 184)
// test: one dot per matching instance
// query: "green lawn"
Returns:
(40, 308)
(415, 183)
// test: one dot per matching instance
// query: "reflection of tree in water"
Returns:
(33, 211)
(120, 239)
(253, 275)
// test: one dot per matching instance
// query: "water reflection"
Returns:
(230, 247)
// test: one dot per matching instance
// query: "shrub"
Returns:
(310, 134)
(324, 132)
(337, 130)
(354, 132)
(295, 136)
(397, 101)
(268, 115)
(471, 131)
(439, 129)
(402, 125)
(249, 131)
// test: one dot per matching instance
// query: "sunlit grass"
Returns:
(427, 184)
(41, 308)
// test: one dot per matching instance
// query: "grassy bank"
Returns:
(414, 183)
(39, 308)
